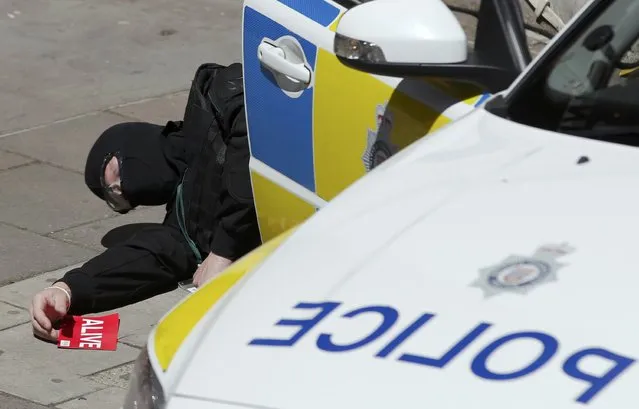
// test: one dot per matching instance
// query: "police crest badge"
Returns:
(520, 274)
(378, 147)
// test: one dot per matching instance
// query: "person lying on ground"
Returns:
(198, 167)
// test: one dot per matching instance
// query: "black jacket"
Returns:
(218, 197)
(207, 153)
(205, 157)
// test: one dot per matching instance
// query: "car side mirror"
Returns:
(423, 38)
(400, 32)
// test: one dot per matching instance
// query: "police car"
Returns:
(316, 125)
(490, 265)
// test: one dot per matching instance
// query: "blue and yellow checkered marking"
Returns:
(277, 209)
(280, 127)
(317, 140)
(320, 11)
(344, 109)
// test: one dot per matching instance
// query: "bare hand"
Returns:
(210, 267)
(47, 307)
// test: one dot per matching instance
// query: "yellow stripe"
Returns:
(277, 209)
(333, 26)
(623, 73)
(176, 326)
(345, 108)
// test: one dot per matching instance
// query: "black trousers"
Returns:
(149, 263)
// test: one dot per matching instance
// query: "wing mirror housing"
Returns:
(400, 32)
(423, 38)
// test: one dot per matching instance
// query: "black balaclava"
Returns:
(146, 176)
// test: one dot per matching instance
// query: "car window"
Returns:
(588, 87)
(630, 59)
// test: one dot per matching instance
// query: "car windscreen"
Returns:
(589, 84)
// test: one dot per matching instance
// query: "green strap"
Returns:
(181, 222)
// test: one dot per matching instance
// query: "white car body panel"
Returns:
(429, 32)
(413, 235)
(180, 402)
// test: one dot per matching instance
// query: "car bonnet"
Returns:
(489, 266)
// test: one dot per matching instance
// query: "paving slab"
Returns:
(67, 57)
(119, 376)
(158, 110)
(109, 398)
(20, 293)
(13, 402)
(10, 160)
(137, 320)
(43, 199)
(11, 316)
(14, 341)
(85, 372)
(24, 254)
(91, 235)
(65, 144)
(38, 371)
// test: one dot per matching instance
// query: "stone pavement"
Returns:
(63, 58)
(50, 223)
(68, 70)
(37, 373)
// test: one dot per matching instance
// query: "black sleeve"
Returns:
(146, 264)
(237, 232)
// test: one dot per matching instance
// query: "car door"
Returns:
(316, 126)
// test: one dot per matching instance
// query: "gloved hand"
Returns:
(47, 307)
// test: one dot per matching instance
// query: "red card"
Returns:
(78, 332)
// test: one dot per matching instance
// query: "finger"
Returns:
(208, 277)
(55, 307)
(54, 334)
(60, 305)
(197, 276)
(39, 306)
(37, 328)
(38, 331)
